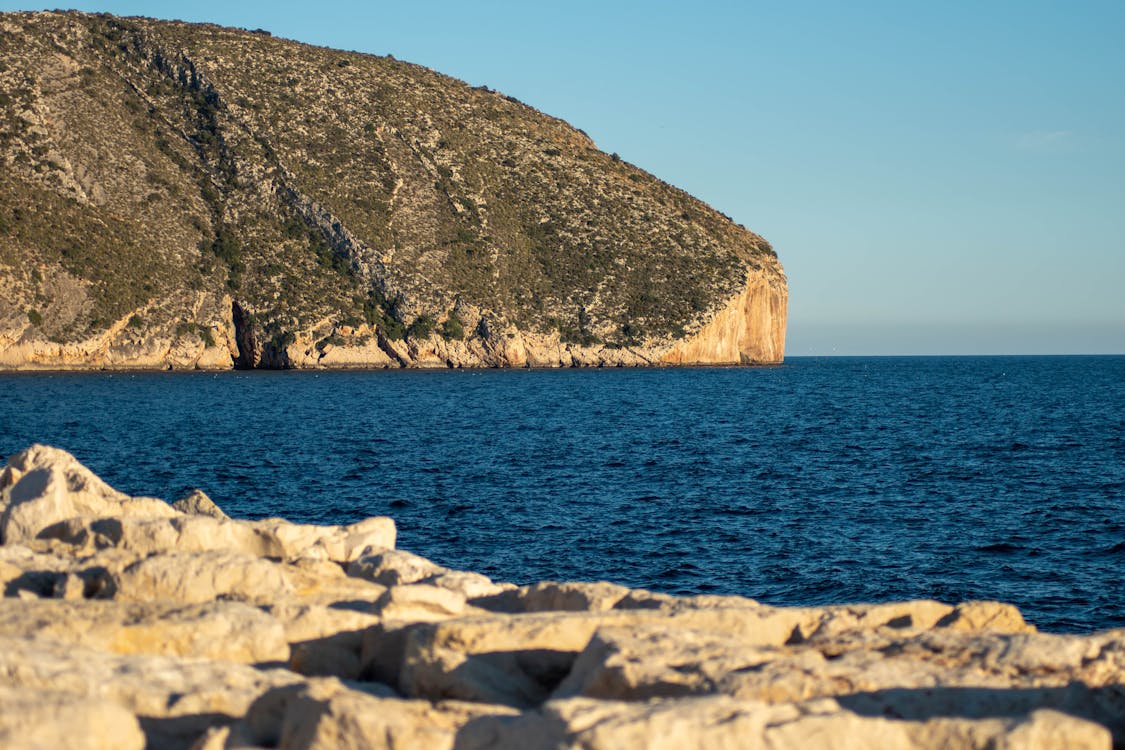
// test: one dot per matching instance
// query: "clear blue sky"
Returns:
(938, 178)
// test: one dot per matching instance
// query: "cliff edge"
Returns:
(186, 196)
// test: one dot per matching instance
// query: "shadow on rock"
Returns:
(1104, 705)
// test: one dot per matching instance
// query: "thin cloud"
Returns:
(1045, 140)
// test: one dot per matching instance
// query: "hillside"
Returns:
(188, 196)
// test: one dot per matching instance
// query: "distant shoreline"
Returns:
(719, 366)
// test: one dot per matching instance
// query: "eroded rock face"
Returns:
(132, 624)
(750, 329)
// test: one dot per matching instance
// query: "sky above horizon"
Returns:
(937, 178)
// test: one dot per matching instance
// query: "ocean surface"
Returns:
(823, 480)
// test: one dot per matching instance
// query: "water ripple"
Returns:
(824, 480)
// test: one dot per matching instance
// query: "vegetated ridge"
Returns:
(179, 195)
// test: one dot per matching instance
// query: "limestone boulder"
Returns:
(724, 722)
(327, 715)
(150, 536)
(655, 661)
(746, 619)
(34, 572)
(47, 489)
(227, 631)
(24, 569)
(203, 532)
(514, 660)
(342, 544)
(202, 577)
(468, 584)
(919, 615)
(986, 616)
(687, 646)
(304, 621)
(210, 575)
(175, 699)
(42, 486)
(328, 657)
(883, 672)
(401, 610)
(324, 582)
(325, 641)
(50, 720)
(553, 596)
(420, 603)
(392, 567)
(108, 572)
(519, 659)
(197, 503)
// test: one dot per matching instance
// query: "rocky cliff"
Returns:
(187, 196)
(131, 623)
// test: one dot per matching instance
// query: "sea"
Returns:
(818, 481)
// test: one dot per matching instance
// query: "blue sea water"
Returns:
(823, 480)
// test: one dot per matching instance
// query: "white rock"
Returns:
(49, 720)
(42, 486)
(392, 567)
(178, 699)
(227, 631)
(196, 503)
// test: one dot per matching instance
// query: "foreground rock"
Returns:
(131, 623)
(29, 719)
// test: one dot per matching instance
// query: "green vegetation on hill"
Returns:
(148, 161)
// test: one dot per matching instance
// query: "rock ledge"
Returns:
(132, 623)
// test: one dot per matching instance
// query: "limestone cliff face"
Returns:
(186, 196)
(126, 345)
(749, 330)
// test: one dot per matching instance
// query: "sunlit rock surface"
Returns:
(128, 623)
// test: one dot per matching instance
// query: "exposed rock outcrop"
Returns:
(116, 632)
(750, 329)
(208, 343)
(184, 196)
(196, 503)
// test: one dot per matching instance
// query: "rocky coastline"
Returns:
(130, 622)
(748, 330)
(179, 196)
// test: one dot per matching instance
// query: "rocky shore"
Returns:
(748, 329)
(129, 622)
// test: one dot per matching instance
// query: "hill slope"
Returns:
(184, 195)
